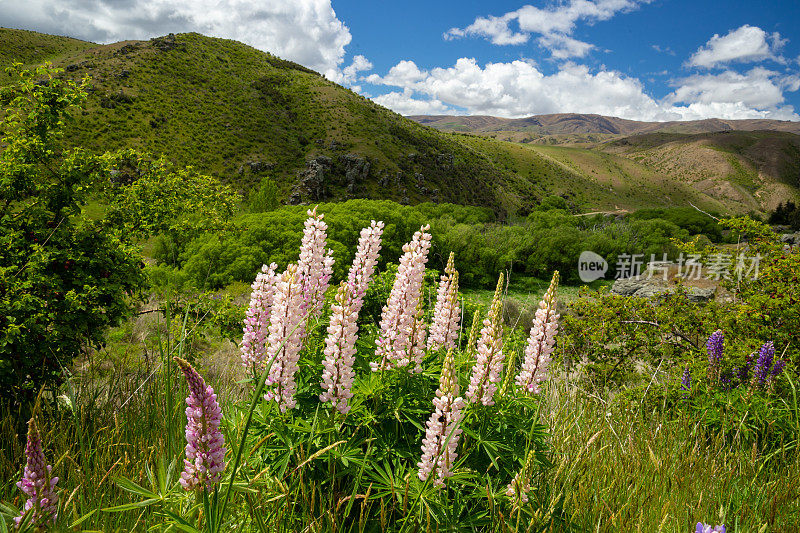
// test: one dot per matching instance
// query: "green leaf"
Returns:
(129, 506)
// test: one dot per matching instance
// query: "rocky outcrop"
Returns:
(356, 171)
(643, 287)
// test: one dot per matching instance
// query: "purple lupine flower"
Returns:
(392, 344)
(438, 457)
(447, 313)
(540, 343)
(714, 347)
(489, 362)
(205, 444)
(364, 262)
(744, 371)
(777, 368)
(286, 332)
(686, 380)
(256, 322)
(338, 374)
(706, 528)
(37, 483)
(763, 364)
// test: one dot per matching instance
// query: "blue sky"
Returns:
(637, 59)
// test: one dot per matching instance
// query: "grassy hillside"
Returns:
(751, 170)
(242, 115)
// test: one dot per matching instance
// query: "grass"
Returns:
(613, 468)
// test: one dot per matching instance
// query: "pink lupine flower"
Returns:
(486, 374)
(446, 314)
(416, 341)
(256, 322)
(205, 444)
(520, 486)
(369, 245)
(338, 374)
(286, 331)
(542, 339)
(439, 453)
(37, 483)
(392, 344)
(315, 266)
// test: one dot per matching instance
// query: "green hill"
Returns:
(242, 115)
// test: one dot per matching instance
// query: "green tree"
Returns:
(63, 279)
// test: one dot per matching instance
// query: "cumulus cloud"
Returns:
(305, 31)
(554, 24)
(350, 74)
(405, 104)
(518, 88)
(744, 44)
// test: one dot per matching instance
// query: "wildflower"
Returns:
(686, 380)
(338, 374)
(315, 266)
(446, 314)
(256, 322)
(205, 444)
(541, 342)
(443, 431)
(286, 330)
(489, 364)
(520, 486)
(763, 364)
(777, 368)
(37, 483)
(416, 341)
(392, 344)
(714, 347)
(706, 528)
(473, 331)
(369, 244)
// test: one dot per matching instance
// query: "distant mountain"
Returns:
(576, 123)
(242, 115)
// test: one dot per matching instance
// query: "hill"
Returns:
(577, 124)
(242, 115)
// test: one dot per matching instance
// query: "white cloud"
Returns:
(554, 24)
(518, 89)
(745, 44)
(305, 31)
(349, 74)
(405, 104)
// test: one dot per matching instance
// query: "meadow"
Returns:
(369, 366)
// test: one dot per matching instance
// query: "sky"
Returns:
(636, 59)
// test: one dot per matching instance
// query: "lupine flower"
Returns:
(439, 453)
(541, 342)
(315, 266)
(446, 314)
(686, 380)
(473, 331)
(744, 371)
(777, 368)
(714, 347)
(256, 322)
(369, 244)
(763, 364)
(37, 483)
(392, 344)
(286, 330)
(205, 444)
(338, 374)
(489, 364)
(520, 486)
(416, 341)
(706, 528)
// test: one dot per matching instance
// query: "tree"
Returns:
(63, 279)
